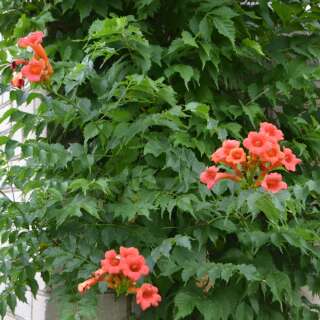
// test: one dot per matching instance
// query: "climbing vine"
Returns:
(134, 96)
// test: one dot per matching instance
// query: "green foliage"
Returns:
(143, 92)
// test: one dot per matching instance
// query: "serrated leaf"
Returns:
(265, 204)
(227, 271)
(205, 28)
(67, 4)
(10, 148)
(249, 271)
(254, 45)
(225, 12)
(225, 225)
(188, 271)
(186, 72)
(12, 302)
(33, 284)
(103, 184)
(77, 184)
(280, 285)
(185, 303)
(244, 312)
(183, 241)
(225, 27)
(163, 250)
(3, 306)
(90, 131)
(84, 8)
(209, 309)
(202, 110)
(188, 39)
(90, 206)
(254, 113)
(156, 146)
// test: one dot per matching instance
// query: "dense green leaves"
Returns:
(143, 92)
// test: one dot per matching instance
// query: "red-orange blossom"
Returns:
(255, 168)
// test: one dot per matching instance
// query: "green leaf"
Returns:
(249, 271)
(202, 110)
(189, 270)
(185, 303)
(42, 20)
(22, 27)
(77, 184)
(189, 39)
(186, 72)
(84, 8)
(108, 27)
(90, 206)
(244, 312)
(284, 11)
(222, 271)
(12, 302)
(209, 309)
(225, 27)
(205, 29)
(163, 250)
(265, 204)
(3, 306)
(225, 12)
(67, 4)
(225, 225)
(10, 148)
(280, 286)
(254, 113)
(254, 45)
(91, 130)
(156, 146)
(183, 241)
(33, 284)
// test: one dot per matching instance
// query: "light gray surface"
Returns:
(110, 308)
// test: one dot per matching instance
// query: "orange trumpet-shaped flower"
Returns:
(253, 166)
(290, 160)
(257, 143)
(34, 70)
(40, 53)
(273, 182)
(111, 263)
(271, 130)
(236, 156)
(211, 176)
(120, 272)
(147, 296)
(38, 68)
(218, 156)
(273, 155)
(86, 285)
(125, 252)
(134, 267)
(229, 145)
(33, 38)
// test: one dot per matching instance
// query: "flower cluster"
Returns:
(253, 168)
(38, 68)
(121, 272)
